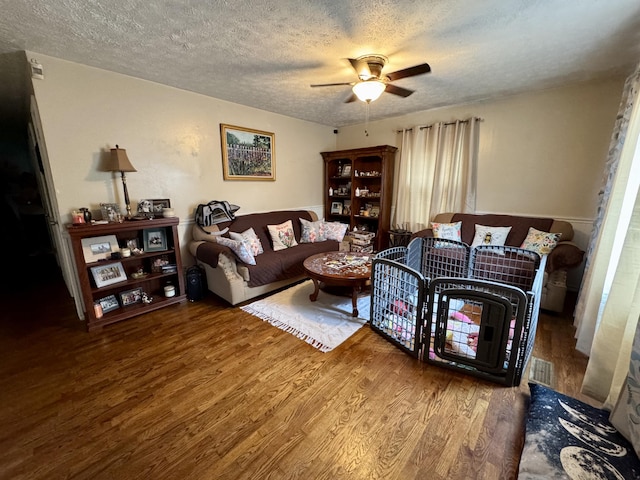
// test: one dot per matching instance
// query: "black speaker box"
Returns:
(196, 283)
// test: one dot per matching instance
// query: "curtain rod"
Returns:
(447, 123)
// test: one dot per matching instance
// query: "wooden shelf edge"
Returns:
(125, 313)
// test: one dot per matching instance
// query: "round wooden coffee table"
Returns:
(340, 269)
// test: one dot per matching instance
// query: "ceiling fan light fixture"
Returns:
(369, 90)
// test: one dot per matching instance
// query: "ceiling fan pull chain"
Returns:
(366, 118)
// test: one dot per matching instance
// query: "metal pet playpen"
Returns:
(470, 309)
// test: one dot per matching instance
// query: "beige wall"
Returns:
(540, 153)
(172, 138)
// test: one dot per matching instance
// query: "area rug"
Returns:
(324, 324)
(566, 438)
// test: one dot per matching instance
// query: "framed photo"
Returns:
(110, 211)
(336, 207)
(346, 171)
(153, 206)
(130, 297)
(99, 248)
(109, 303)
(247, 154)
(109, 274)
(155, 240)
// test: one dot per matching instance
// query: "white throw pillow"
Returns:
(250, 239)
(282, 236)
(312, 232)
(239, 248)
(335, 230)
(490, 235)
(447, 231)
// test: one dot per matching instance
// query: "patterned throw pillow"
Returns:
(312, 232)
(250, 239)
(239, 248)
(540, 242)
(335, 230)
(447, 231)
(282, 236)
(490, 235)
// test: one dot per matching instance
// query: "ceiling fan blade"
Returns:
(331, 84)
(352, 98)
(402, 92)
(361, 67)
(409, 72)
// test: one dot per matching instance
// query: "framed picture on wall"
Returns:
(247, 154)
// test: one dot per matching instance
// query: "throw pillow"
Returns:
(312, 232)
(540, 242)
(250, 239)
(447, 231)
(490, 235)
(335, 230)
(239, 248)
(282, 236)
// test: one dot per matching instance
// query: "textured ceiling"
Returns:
(265, 54)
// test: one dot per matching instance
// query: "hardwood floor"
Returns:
(205, 391)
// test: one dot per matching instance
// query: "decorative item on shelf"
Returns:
(108, 303)
(155, 240)
(159, 263)
(357, 192)
(86, 214)
(346, 171)
(138, 274)
(110, 212)
(330, 191)
(131, 297)
(98, 248)
(169, 290)
(125, 252)
(168, 213)
(105, 275)
(146, 298)
(336, 208)
(339, 169)
(97, 310)
(77, 217)
(119, 162)
(355, 174)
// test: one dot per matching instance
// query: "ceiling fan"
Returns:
(372, 82)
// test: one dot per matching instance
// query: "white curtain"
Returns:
(609, 301)
(436, 172)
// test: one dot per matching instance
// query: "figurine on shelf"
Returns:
(146, 298)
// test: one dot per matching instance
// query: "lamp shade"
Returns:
(119, 162)
(369, 90)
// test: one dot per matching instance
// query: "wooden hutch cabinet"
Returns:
(358, 189)
(112, 287)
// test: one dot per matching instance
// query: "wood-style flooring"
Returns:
(206, 391)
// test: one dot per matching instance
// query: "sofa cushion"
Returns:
(239, 248)
(285, 264)
(250, 239)
(282, 236)
(519, 225)
(540, 242)
(448, 231)
(312, 232)
(486, 235)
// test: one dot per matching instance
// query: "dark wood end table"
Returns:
(340, 269)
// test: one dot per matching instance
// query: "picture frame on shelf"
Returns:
(155, 240)
(99, 248)
(336, 208)
(346, 170)
(131, 297)
(153, 207)
(105, 275)
(109, 303)
(247, 154)
(110, 211)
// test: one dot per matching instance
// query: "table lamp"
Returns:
(119, 162)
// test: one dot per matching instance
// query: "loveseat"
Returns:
(229, 270)
(563, 256)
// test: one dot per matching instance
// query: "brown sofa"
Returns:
(564, 256)
(235, 281)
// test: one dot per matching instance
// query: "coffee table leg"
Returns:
(354, 301)
(316, 285)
